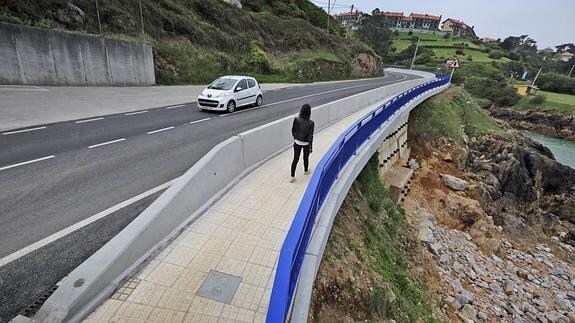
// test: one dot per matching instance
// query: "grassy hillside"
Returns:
(464, 48)
(196, 40)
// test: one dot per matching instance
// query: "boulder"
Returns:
(453, 182)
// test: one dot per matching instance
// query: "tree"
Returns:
(375, 33)
(569, 47)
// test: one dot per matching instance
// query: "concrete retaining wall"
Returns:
(189, 196)
(326, 215)
(37, 56)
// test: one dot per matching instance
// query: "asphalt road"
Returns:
(75, 177)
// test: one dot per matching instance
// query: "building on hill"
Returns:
(350, 19)
(458, 27)
(566, 56)
(415, 21)
(489, 40)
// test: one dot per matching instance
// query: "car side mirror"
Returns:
(239, 88)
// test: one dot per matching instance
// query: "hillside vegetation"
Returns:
(196, 40)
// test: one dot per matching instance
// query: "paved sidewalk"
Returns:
(240, 235)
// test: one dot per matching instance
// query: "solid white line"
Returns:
(160, 130)
(199, 120)
(20, 131)
(106, 143)
(138, 112)
(26, 162)
(46, 241)
(89, 120)
(175, 106)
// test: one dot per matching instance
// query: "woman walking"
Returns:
(302, 132)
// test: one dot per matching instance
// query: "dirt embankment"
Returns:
(503, 240)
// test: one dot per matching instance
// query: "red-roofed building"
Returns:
(458, 27)
(415, 21)
(352, 19)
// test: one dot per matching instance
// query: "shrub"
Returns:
(446, 36)
(410, 33)
(470, 58)
(538, 99)
(257, 59)
(512, 55)
(395, 33)
(496, 54)
(554, 82)
(459, 52)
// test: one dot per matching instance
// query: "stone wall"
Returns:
(48, 57)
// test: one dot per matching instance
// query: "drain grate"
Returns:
(34, 307)
(220, 287)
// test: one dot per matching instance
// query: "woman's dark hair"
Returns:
(305, 112)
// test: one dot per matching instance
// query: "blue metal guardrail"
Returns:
(295, 244)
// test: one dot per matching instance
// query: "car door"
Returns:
(242, 93)
(253, 90)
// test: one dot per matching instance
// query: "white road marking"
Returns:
(46, 241)
(160, 130)
(26, 162)
(22, 88)
(199, 120)
(138, 112)
(106, 143)
(175, 106)
(89, 120)
(24, 130)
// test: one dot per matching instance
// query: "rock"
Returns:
(523, 274)
(571, 317)
(482, 316)
(509, 287)
(447, 157)
(571, 295)
(453, 182)
(556, 317)
(562, 303)
(413, 165)
(469, 312)
(462, 298)
(434, 248)
(425, 234)
(236, 3)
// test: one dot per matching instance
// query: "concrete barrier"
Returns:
(38, 56)
(101, 274)
(327, 213)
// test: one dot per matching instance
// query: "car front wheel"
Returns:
(231, 106)
(259, 101)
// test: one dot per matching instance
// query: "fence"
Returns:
(298, 237)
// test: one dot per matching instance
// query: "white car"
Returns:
(230, 92)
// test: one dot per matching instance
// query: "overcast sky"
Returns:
(549, 22)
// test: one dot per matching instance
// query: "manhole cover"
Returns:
(219, 287)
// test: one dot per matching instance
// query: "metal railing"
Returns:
(327, 170)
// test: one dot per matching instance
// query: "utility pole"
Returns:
(349, 23)
(536, 76)
(98, 14)
(141, 17)
(571, 71)
(414, 54)
(328, 10)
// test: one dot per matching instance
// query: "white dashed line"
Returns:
(26, 162)
(199, 120)
(106, 143)
(62, 233)
(160, 130)
(175, 106)
(24, 130)
(89, 120)
(138, 112)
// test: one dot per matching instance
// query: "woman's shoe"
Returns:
(292, 179)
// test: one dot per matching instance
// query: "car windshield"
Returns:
(222, 84)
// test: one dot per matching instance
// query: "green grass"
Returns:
(321, 54)
(476, 52)
(564, 103)
(387, 253)
(452, 117)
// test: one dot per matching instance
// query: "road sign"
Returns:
(454, 64)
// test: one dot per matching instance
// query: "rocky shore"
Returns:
(547, 122)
